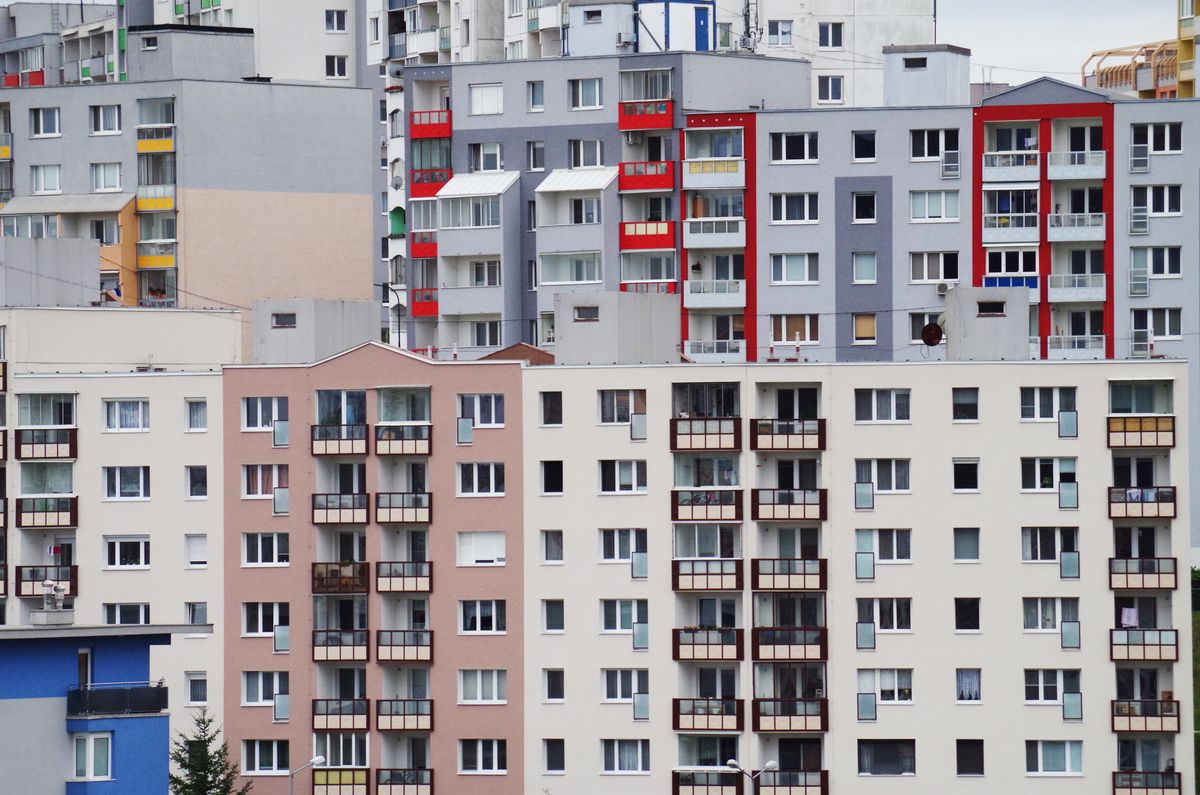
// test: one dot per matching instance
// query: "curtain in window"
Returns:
(130, 414)
(866, 757)
(1049, 619)
(1054, 757)
(197, 414)
(1070, 609)
(862, 471)
(968, 684)
(46, 478)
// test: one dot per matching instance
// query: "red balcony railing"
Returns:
(429, 124)
(708, 714)
(1142, 573)
(426, 182)
(404, 507)
(655, 114)
(1156, 430)
(790, 714)
(33, 444)
(404, 715)
(1143, 644)
(657, 175)
(777, 505)
(404, 781)
(793, 782)
(48, 512)
(404, 576)
(341, 578)
(1145, 716)
(669, 288)
(714, 433)
(423, 302)
(403, 439)
(1151, 502)
(715, 505)
(692, 643)
(422, 244)
(30, 579)
(340, 439)
(341, 508)
(788, 574)
(341, 714)
(777, 644)
(330, 645)
(1137, 782)
(787, 435)
(404, 645)
(706, 782)
(636, 235)
(706, 574)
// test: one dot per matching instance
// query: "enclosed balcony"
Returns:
(793, 782)
(1020, 166)
(6, 141)
(341, 781)
(34, 444)
(635, 235)
(403, 439)
(335, 578)
(403, 507)
(1073, 227)
(787, 505)
(426, 182)
(714, 233)
(120, 698)
(710, 433)
(1134, 782)
(155, 139)
(706, 574)
(788, 574)
(1010, 227)
(692, 644)
(646, 175)
(404, 715)
(1076, 287)
(1141, 574)
(340, 645)
(422, 244)
(429, 124)
(155, 198)
(717, 172)
(655, 114)
(714, 294)
(30, 580)
(404, 781)
(1077, 165)
(790, 715)
(716, 505)
(1153, 502)
(341, 714)
(706, 782)
(157, 255)
(781, 644)
(47, 512)
(404, 645)
(340, 508)
(340, 439)
(423, 302)
(707, 714)
(1143, 644)
(406, 576)
(787, 435)
(1145, 716)
(1141, 431)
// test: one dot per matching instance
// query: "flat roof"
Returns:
(26, 632)
(887, 48)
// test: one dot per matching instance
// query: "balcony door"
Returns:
(1085, 200)
(352, 546)
(1135, 542)
(418, 614)
(796, 404)
(796, 473)
(716, 613)
(352, 478)
(84, 665)
(717, 683)
(1084, 324)
(1144, 755)
(797, 681)
(729, 267)
(351, 683)
(1086, 139)
(799, 754)
(1137, 684)
(1087, 260)
(1129, 472)
(799, 543)
(418, 546)
(1135, 612)
(64, 551)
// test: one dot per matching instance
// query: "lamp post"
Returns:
(316, 760)
(735, 765)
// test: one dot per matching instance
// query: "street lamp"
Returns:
(316, 760)
(735, 765)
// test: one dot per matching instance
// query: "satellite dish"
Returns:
(931, 335)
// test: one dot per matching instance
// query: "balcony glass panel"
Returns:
(1068, 495)
(1070, 635)
(1072, 706)
(864, 496)
(864, 565)
(279, 433)
(1068, 565)
(866, 706)
(865, 635)
(639, 568)
(1068, 424)
(641, 636)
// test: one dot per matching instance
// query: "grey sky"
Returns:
(1049, 36)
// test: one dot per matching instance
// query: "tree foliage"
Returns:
(202, 765)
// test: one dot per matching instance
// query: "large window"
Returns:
(46, 477)
(648, 266)
(882, 405)
(484, 410)
(645, 84)
(261, 618)
(934, 266)
(106, 177)
(888, 474)
(264, 756)
(127, 483)
(620, 684)
(128, 552)
(1162, 137)
(616, 405)
(934, 205)
(779, 33)
(793, 208)
(260, 413)
(470, 211)
(482, 686)
(619, 615)
(46, 179)
(482, 479)
(44, 122)
(265, 549)
(795, 329)
(127, 415)
(887, 757)
(106, 119)
(585, 152)
(483, 756)
(93, 756)
(794, 269)
(1046, 685)
(482, 616)
(341, 749)
(888, 614)
(1046, 544)
(930, 144)
(570, 268)
(1046, 614)
(794, 147)
(626, 756)
(586, 93)
(486, 99)
(617, 545)
(259, 688)
(1054, 757)
(127, 613)
(889, 685)
(621, 477)
(259, 481)
(1044, 402)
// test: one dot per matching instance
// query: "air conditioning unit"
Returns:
(943, 288)
(624, 38)
(633, 137)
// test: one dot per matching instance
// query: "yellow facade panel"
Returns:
(155, 204)
(154, 261)
(5, 153)
(156, 145)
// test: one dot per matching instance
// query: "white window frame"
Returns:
(942, 216)
(113, 416)
(585, 152)
(113, 481)
(188, 405)
(1058, 683)
(274, 404)
(495, 471)
(622, 542)
(1034, 546)
(577, 93)
(279, 684)
(499, 616)
(1058, 472)
(261, 611)
(877, 545)
(40, 182)
(782, 37)
(480, 548)
(106, 177)
(276, 471)
(825, 35)
(864, 257)
(636, 470)
(882, 605)
(498, 748)
(335, 20)
(195, 547)
(610, 405)
(342, 749)
(779, 144)
(1157, 261)
(1067, 756)
(336, 67)
(621, 684)
(274, 769)
(635, 608)
(811, 334)
(483, 680)
(1041, 601)
(783, 265)
(611, 750)
(877, 688)
(895, 406)
(189, 679)
(809, 209)
(865, 219)
(45, 123)
(99, 124)
(831, 89)
(1056, 402)
(475, 405)
(256, 539)
(91, 756)
(113, 546)
(113, 613)
(894, 468)
(931, 262)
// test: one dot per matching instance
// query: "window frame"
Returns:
(276, 562)
(495, 470)
(113, 552)
(496, 611)
(498, 754)
(90, 755)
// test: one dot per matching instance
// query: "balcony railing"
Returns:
(1011, 159)
(1143, 573)
(1144, 644)
(405, 576)
(403, 439)
(426, 182)
(706, 782)
(1075, 346)
(714, 433)
(787, 434)
(1145, 716)
(781, 505)
(341, 781)
(340, 439)
(793, 782)
(404, 781)
(33, 444)
(657, 114)
(715, 350)
(341, 508)
(155, 198)
(334, 578)
(706, 574)
(331, 645)
(650, 175)
(635, 235)
(1137, 782)
(691, 644)
(787, 574)
(1010, 221)
(422, 244)
(423, 302)
(404, 645)
(716, 172)
(429, 124)
(404, 714)
(779, 644)
(1075, 220)
(790, 715)
(1141, 431)
(118, 698)
(1076, 286)
(1153, 502)
(668, 288)
(341, 714)
(708, 714)
(30, 579)
(156, 138)
(48, 512)
(403, 507)
(714, 294)
(698, 505)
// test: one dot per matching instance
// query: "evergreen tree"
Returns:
(203, 769)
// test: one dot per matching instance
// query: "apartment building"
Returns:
(104, 404)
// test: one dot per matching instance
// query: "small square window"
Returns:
(555, 684)
(592, 16)
(864, 208)
(197, 682)
(969, 755)
(966, 614)
(991, 308)
(283, 320)
(552, 477)
(864, 145)
(966, 403)
(966, 475)
(552, 546)
(553, 611)
(966, 544)
(587, 314)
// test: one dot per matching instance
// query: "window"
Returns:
(934, 205)
(483, 686)
(127, 415)
(881, 405)
(584, 152)
(107, 232)
(619, 615)
(968, 756)
(196, 548)
(106, 119)
(626, 756)
(486, 99)
(128, 552)
(45, 179)
(1162, 323)
(889, 685)
(32, 226)
(586, 93)
(863, 145)
(616, 405)
(265, 756)
(261, 618)
(556, 756)
(485, 333)
(137, 613)
(1044, 402)
(966, 545)
(259, 688)
(864, 207)
(482, 616)
(553, 615)
(915, 63)
(535, 91)
(887, 757)
(585, 211)
(373, 29)
(485, 479)
(1012, 261)
(1054, 757)
(260, 413)
(864, 329)
(44, 122)
(934, 266)
(197, 688)
(779, 33)
(537, 162)
(888, 545)
(1046, 685)
(1044, 474)
(46, 478)
(863, 267)
(966, 616)
(341, 749)
(93, 756)
(197, 415)
(484, 157)
(829, 35)
(106, 177)
(1158, 200)
(1163, 137)
(618, 545)
(888, 614)
(283, 320)
(794, 147)
(965, 402)
(991, 308)
(932, 144)
(127, 483)
(335, 21)
(592, 16)
(470, 212)
(1045, 613)
(620, 684)
(552, 477)
(483, 756)
(618, 477)
(794, 269)
(795, 329)
(887, 474)
(481, 548)
(552, 409)
(150, 42)
(793, 208)
(335, 66)
(259, 481)
(195, 613)
(966, 474)
(552, 546)
(484, 410)
(1158, 261)
(264, 549)
(1045, 544)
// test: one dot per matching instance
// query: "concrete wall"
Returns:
(199, 55)
(970, 336)
(946, 80)
(322, 329)
(634, 328)
(48, 272)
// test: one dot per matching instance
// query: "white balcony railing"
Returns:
(1074, 220)
(702, 347)
(1011, 159)
(715, 287)
(1010, 221)
(1077, 281)
(1077, 158)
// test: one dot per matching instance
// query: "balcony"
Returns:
(341, 781)
(403, 507)
(1136, 782)
(1077, 165)
(1154, 502)
(47, 512)
(1076, 287)
(429, 124)
(1073, 227)
(426, 182)
(706, 782)
(34, 444)
(423, 302)
(155, 198)
(714, 233)
(6, 141)
(1011, 166)
(787, 435)
(714, 173)
(340, 439)
(1143, 645)
(422, 244)
(404, 645)
(154, 139)
(636, 235)
(706, 574)
(30, 580)
(788, 574)
(786, 505)
(1075, 346)
(707, 714)
(712, 433)
(340, 508)
(715, 351)
(1145, 716)
(337, 645)
(693, 644)
(1140, 574)
(403, 439)
(1010, 228)
(335, 578)
(156, 256)
(666, 288)
(714, 294)
(397, 46)
(341, 714)
(717, 505)
(656, 114)
(1154, 430)
(790, 715)
(782, 644)
(793, 782)
(122, 698)
(404, 715)
(646, 175)
(1028, 282)
(404, 576)
(404, 781)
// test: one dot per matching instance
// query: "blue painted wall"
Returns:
(47, 668)
(140, 748)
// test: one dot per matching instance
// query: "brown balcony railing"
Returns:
(708, 714)
(48, 512)
(706, 782)
(1145, 716)
(331, 645)
(404, 576)
(790, 714)
(706, 574)
(707, 644)
(33, 444)
(774, 644)
(788, 504)
(407, 507)
(1151, 502)
(341, 714)
(340, 439)
(1143, 644)
(787, 574)
(404, 714)
(717, 505)
(340, 508)
(404, 781)
(1142, 573)
(29, 579)
(1156, 430)
(787, 435)
(1138, 782)
(341, 578)
(403, 439)
(793, 782)
(715, 433)
(404, 645)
